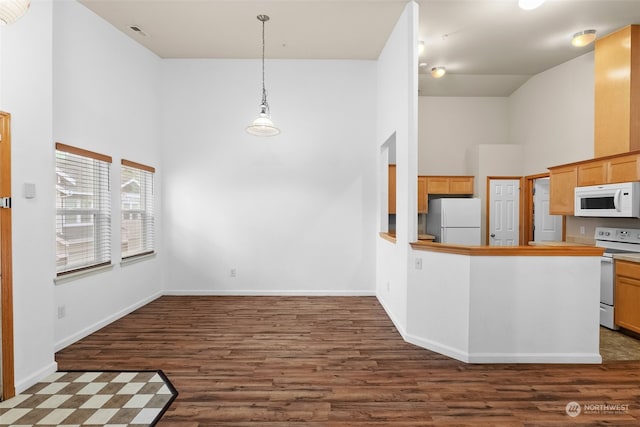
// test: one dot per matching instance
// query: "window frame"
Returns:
(104, 210)
(147, 211)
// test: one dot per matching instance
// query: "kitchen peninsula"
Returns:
(488, 304)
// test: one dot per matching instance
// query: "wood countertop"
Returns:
(631, 257)
(561, 250)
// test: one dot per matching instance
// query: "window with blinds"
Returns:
(137, 209)
(83, 209)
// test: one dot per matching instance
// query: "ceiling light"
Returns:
(529, 4)
(263, 126)
(420, 47)
(12, 10)
(583, 38)
(437, 72)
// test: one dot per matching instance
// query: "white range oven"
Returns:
(613, 240)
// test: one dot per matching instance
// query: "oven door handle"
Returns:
(616, 200)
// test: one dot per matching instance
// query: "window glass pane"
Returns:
(137, 211)
(83, 212)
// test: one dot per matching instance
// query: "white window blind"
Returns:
(137, 209)
(83, 209)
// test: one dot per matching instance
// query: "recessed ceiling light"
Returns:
(422, 64)
(583, 38)
(437, 72)
(529, 4)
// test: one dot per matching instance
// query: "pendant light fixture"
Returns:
(263, 126)
(12, 10)
(530, 4)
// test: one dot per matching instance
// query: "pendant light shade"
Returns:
(529, 4)
(12, 10)
(263, 126)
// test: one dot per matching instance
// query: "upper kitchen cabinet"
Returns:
(392, 189)
(423, 204)
(462, 185)
(562, 182)
(617, 92)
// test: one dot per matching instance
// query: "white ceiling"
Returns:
(489, 47)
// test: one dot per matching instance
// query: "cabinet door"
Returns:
(627, 295)
(392, 189)
(562, 183)
(592, 173)
(423, 206)
(461, 185)
(438, 185)
(624, 169)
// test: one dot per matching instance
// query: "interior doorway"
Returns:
(7, 388)
(539, 225)
(503, 211)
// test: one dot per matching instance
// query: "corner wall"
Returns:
(27, 94)
(398, 112)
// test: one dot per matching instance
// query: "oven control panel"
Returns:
(628, 235)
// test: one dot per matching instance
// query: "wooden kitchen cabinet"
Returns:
(592, 173)
(562, 184)
(623, 168)
(450, 185)
(627, 295)
(423, 205)
(392, 189)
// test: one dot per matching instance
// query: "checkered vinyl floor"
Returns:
(110, 399)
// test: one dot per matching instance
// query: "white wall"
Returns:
(294, 213)
(27, 94)
(106, 99)
(68, 76)
(397, 112)
(449, 126)
(551, 115)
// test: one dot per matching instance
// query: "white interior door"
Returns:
(504, 215)
(545, 227)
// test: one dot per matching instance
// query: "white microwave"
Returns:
(608, 200)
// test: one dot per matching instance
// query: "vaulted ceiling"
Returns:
(489, 47)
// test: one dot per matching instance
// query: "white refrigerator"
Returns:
(454, 221)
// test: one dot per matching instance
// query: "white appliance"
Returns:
(620, 200)
(454, 220)
(614, 240)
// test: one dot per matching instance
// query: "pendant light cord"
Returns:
(264, 91)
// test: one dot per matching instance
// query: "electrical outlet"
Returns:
(418, 263)
(62, 311)
(582, 229)
(233, 272)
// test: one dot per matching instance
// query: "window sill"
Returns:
(80, 274)
(136, 259)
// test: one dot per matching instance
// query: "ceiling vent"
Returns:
(137, 30)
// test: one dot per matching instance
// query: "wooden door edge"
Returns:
(6, 321)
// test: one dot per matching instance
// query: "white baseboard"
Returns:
(585, 358)
(399, 327)
(437, 347)
(65, 342)
(35, 377)
(222, 292)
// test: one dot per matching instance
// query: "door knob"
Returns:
(492, 235)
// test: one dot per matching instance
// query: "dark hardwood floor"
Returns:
(337, 361)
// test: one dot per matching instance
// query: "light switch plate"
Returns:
(29, 190)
